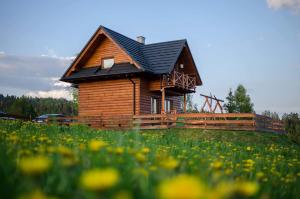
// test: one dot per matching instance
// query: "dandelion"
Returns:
(145, 150)
(247, 188)
(216, 165)
(36, 194)
(34, 165)
(99, 179)
(181, 186)
(140, 157)
(96, 145)
(122, 195)
(169, 163)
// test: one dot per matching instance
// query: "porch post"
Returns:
(162, 100)
(184, 103)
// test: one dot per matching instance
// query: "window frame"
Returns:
(107, 58)
(154, 105)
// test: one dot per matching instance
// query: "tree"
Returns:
(240, 102)
(21, 107)
(292, 126)
(270, 114)
(230, 106)
(243, 101)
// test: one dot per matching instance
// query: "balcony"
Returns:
(181, 80)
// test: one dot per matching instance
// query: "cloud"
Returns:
(52, 93)
(293, 5)
(34, 75)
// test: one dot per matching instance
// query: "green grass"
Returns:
(213, 157)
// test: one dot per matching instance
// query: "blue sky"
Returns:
(256, 43)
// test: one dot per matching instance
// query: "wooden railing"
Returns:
(102, 122)
(229, 121)
(182, 80)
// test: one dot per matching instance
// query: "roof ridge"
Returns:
(122, 35)
(166, 42)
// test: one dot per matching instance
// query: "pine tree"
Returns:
(242, 100)
(230, 106)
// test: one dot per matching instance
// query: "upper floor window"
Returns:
(108, 62)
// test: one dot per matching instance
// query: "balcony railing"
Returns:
(181, 80)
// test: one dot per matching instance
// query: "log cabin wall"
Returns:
(108, 97)
(146, 92)
(105, 48)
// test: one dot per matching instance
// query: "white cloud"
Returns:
(35, 75)
(290, 4)
(52, 93)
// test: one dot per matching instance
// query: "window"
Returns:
(168, 106)
(154, 105)
(108, 62)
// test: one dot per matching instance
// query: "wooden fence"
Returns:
(227, 121)
(116, 122)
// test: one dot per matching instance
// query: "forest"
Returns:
(29, 107)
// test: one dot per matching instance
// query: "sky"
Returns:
(251, 42)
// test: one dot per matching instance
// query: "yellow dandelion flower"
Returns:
(34, 165)
(247, 188)
(140, 157)
(122, 195)
(181, 186)
(96, 145)
(119, 150)
(216, 165)
(169, 163)
(145, 150)
(99, 179)
(36, 194)
(65, 151)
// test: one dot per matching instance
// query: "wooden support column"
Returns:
(163, 100)
(184, 103)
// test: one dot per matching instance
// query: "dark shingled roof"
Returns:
(156, 58)
(116, 69)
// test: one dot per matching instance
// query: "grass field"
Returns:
(39, 161)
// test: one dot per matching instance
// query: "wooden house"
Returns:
(117, 75)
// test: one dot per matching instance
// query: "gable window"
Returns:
(108, 62)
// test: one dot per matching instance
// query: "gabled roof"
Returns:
(156, 58)
(94, 72)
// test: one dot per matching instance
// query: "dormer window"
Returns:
(108, 62)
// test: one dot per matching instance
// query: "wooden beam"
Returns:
(184, 103)
(163, 93)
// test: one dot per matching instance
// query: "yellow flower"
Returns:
(96, 145)
(216, 165)
(181, 187)
(34, 165)
(140, 157)
(65, 151)
(122, 195)
(36, 194)
(169, 163)
(247, 188)
(99, 179)
(248, 148)
(145, 150)
(119, 150)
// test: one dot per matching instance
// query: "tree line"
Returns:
(29, 107)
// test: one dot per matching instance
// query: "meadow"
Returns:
(40, 161)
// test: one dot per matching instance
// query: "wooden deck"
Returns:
(225, 121)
